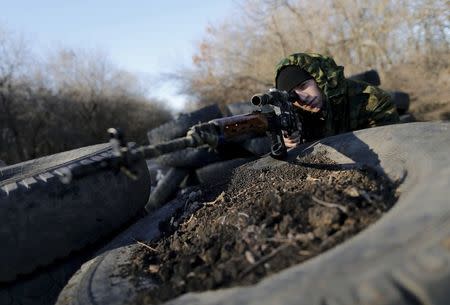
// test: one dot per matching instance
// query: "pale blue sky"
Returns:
(148, 37)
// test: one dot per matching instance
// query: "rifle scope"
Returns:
(260, 99)
(274, 97)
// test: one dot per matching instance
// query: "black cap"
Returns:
(291, 76)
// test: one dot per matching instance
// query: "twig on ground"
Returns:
(243, 214)
(302, 237)
(221, 219)
(263, 260)
(219, 199)
(189, 220)
(145, 245)
(309, 178)
(330, 205)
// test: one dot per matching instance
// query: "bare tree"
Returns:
(67, 101)
(237, 57)
(14, 55)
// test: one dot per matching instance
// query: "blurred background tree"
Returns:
(70, 98)
(67, 101)
(406, 41)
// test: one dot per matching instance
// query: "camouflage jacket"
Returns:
(349, 105)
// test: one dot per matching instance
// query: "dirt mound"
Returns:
(258, 223)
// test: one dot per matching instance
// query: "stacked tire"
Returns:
(44, 220)
(402, 259)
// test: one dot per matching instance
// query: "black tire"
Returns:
(148, 228)
(258, 146)
(407, 118)
(166, 188)
(404, 258)
(43, 287)
(370, 76)
(189, 158)
(217, 171)
(400, 100)
(178, 127)
(43, 219)
(155, 169)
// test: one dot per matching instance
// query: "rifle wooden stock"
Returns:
(237, 127)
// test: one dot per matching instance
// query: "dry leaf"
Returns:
(153, 268)
(352, 191)
(249, 257)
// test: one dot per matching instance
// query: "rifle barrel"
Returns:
(152, 151)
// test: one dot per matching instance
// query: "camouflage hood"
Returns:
(330, 79)
(329, 76)
(349, 105)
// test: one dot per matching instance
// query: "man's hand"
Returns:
(292, 140)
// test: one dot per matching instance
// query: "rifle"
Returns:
(275, 115)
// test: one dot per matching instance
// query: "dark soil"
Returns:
(259, 223)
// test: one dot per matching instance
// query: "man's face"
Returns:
(310, 97)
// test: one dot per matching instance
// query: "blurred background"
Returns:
(69, 70)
